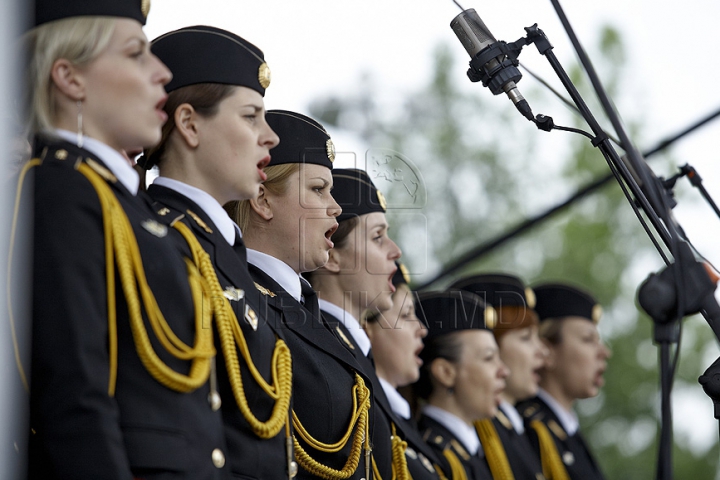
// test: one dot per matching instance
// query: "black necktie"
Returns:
(309, 298)
(239, 247)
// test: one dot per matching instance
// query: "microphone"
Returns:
(490, 63)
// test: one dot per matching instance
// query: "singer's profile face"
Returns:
(579, 361)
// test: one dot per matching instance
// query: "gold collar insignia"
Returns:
(264, 290)
(344, 338)
(199, 221)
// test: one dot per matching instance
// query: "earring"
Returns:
(80, 125)
(450, 391)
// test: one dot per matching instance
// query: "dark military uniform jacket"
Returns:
(440, 439)
(78, 430)
(420, 458)
(524, 460)
(248, 455)
(323, 379)
(573, 450)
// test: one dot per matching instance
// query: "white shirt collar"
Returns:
(512, 414)
(399, 405)
(568, 419)
(112, 159)
(207, 203)
(358, 333)
(278, 270)
(464, 432)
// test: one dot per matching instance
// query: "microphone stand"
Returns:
(684, 286)
(695, 180)
(526, 225)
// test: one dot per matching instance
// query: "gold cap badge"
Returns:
(596, 313)
(491, 317)
(530, 297)
(381, 199)
(405, 273)
(264, 75)
(145, 7)
(330, 147)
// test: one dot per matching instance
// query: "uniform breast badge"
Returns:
(251, 317)
(156, 228)
(234, 294)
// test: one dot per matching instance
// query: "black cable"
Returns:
(490, 245)
(559, 95)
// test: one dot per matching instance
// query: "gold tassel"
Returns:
(552, 465)
(457, 471)
(494, 450)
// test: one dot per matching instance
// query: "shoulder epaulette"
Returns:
(169, 215)
(435, 439)
(530, 410)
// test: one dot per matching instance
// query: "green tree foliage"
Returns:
(483, 169)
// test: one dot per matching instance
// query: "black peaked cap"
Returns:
(203, 54)
(498, 289)
(453, 311)
(355, 192)
(555, 300)
(302, 140)
(51, 10)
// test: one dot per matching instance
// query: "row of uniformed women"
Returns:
(155, 354)
(157, 351)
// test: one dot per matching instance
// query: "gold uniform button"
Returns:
(218, 458)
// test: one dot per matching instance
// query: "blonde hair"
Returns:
(276, 183)
(80, 40)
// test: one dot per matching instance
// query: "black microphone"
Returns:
(490, 63)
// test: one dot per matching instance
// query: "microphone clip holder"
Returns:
(494, 67)
(658, 294)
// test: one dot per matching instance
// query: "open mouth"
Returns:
(159, 108)
(417, 351)
(390, 283)
(261, 165)
(329, 234)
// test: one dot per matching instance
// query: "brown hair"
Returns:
(276, 183)
(513, 317)
(205, 98)
(444, 346)
(551, 330)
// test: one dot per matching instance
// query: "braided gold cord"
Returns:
(457, 471)
(231, 335)
(494, 451)
(440, 473)
(399, 461)
(132, 275)
(359, 421)
(553, 468)
(13, 231)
